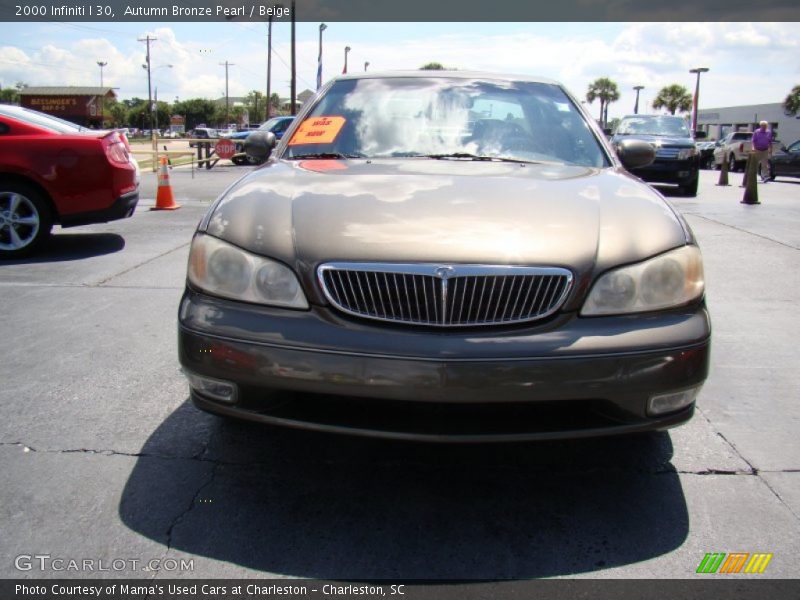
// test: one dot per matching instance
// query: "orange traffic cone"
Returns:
(164, 199)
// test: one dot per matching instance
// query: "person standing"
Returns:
(762, 148)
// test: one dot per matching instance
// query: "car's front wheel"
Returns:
(25, 220)
(690, 188)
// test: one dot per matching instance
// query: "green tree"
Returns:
(195, 111)
(9, 96)
(674, 98)
(275, 104)
(792, 102)
(605, 90)
(139, 115)
(116, 113)
(432, 66)
(256, 106)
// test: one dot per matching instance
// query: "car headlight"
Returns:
(225, 270)
(670, 279)
(687, 153)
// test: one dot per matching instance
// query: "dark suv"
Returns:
(676, 155)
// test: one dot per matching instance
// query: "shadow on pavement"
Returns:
(72, 246)
(321, 506)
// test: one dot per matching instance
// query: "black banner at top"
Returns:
(399, 10)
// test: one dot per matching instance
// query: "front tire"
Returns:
(25, 220)
(690, 189)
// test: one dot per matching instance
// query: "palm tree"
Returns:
(673, 97)
(607, 91)
(792, 102)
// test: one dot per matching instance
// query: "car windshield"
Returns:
(271, 124)
(446, 118)
(672, 126)
(38, 119)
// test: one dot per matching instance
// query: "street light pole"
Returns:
(638, 89)
(346, 50)
(102, 64)
(366, 64)
(696, 96)
(147, 39)
(322, 27)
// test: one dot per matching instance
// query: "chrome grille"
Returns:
(445, 295)
(667, 152)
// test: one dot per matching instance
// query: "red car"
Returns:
(55, 172)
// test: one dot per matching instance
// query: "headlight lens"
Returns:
(225, 270)
(668, 280)
(687, 153)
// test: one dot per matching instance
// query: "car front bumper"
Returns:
(681, 172)
(570, 377)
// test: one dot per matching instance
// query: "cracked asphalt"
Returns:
(103, 457)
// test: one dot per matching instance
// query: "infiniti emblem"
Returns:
(445, 272)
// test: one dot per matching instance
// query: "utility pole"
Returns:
(226, 64)
(102, 64)
(147, 39)
(366, 64)
(294, 66)
(269, 66)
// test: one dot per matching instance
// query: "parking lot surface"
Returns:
(103, 456)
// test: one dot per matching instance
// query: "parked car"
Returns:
(201, 133)
(676, 155)
(408, 265)
(277, 125)
(785, 162)
(733, 148)
(705, 154)
(55, 172)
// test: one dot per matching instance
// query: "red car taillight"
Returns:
(741, 147)
(116, 148)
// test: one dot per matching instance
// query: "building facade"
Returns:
(718, 122)
(81, 105)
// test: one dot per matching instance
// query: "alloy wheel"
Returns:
(19, 221)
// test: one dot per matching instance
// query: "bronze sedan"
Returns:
(445, 256)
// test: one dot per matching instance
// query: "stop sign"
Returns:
(225, 148)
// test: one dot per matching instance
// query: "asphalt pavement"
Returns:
(103, 457)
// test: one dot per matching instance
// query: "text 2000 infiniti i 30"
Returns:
(448, 256)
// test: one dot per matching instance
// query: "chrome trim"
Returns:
(446, 273)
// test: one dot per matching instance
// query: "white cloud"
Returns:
(750, 62)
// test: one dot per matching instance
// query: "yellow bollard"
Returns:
(750, 186)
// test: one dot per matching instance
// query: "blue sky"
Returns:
(750, 62)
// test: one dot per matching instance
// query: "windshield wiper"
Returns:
(323, 155)
(467, 155)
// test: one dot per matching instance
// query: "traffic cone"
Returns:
(164, 199)
(750, 187)
(723, 172)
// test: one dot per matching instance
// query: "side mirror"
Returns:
(700, 135)
(635, 154)
(259, 145)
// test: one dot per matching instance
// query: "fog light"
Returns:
(667, 403)
(223, 391)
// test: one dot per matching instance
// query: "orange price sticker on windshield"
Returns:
(317, 130)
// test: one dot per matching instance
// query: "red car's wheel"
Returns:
(25, 220)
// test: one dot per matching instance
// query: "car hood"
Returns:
(662, 140)
(442, 211)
